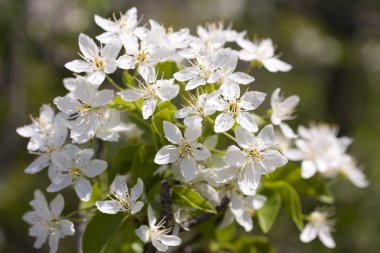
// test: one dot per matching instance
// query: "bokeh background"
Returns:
(334, 47)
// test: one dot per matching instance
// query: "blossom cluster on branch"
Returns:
(168, 106)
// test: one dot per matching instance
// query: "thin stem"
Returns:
(137, 118)
(76, 212)
(113, 83)
(216, 151)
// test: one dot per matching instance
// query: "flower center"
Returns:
(233, 106)
(255, 155)
(318, 218)
(142, 55)
(99, 63)
(185, 148)
(75, 172)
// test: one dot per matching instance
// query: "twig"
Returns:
(190, 223)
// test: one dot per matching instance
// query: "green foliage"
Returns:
(122, 161)
(100, 231)
(186, 196)
(313, 187)
(289, 199)
(120, 104)
(128, 79)
(267, 214)
(165, 112)
(166, 69)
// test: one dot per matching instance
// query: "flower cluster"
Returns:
(208, 140)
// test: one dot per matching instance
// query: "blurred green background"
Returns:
(334, 47)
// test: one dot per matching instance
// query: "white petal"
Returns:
(244, 138)
(172, 133)
(38, 164)
(143, 233)
(193, 132)
(223, 122)
(272, 159)
(67, 104)
(308, 169)
(131, 95)
(96, 78)
(252, 99)
(258, 201)
(95, 167)
(275, 65)
(188, 168)
(159, 246)
(287, 131)
(87, 46)
(200, 152)
(170, 240)
(234, 156)
(106, 24)
(148, 107)
(194, 83)
(266, 137)
(326, 238)
(103, 97)
(64, 182)
(137, 190)
(151, 217)
(230, 90)
(167, 91)
(249, 180)
(294, 154)
(109, 206)
(56, 205)
(241, 78)
(186, 74)
(308, 234)
(224, 175)
(62, 160)
(53, 241)
(83, 189)
(147, 71)
(137, 207)
(248, 121)
(126, 62)
(67, 227)
(167, 154)
(78, 66)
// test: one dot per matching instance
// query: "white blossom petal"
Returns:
(188, 168)
(223, 122)
(172, 133)
(167, 154)
(83, 189)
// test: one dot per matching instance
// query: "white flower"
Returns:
(257, 158)
(204, 69)
(345, 167)
(242, 209)
(96, 62)
(47, 135)
(74, 166)
(84, 103)
(121, 31)
(144, 57)
(227, 74)
(186, 151)
(46, 221)
(121, 200)
(197, 108)
(110, 125)
(318, 147)
(235, 107)
(282, 109)
(212, 36)
(319, 226)
(151, 91)
(158, 234)
(263, 53)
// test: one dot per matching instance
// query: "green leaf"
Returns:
(165, 114)
(166, 69)
(267, 214)
(96, 195)
(290, 200)
(143, 165)
(226, 234)
(120, 104)
(100, 231)
(122, 161)
(313, 187)
(184, 195)
(128, 78)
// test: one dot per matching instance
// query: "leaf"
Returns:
(182, 194)
(158, 119)
(122, 161)
(290, 200)
(120, 104)
(143, 165)
(100, 231)
(96, 195)
(267, 214)
(128, 78)
(313, 187)
(166, 69)
(226, 234)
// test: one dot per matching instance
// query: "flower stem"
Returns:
(113, 83)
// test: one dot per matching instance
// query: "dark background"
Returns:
(334, 47)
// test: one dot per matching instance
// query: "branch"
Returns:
(190, 223)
